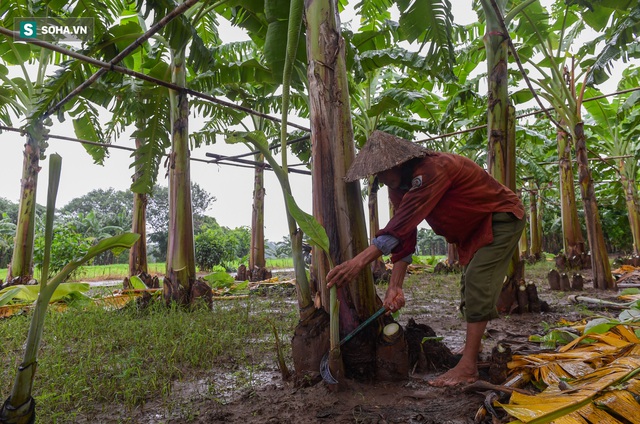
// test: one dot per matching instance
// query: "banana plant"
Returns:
(501, 137)
(183, 41)
(617, 125)
(560, 72)
(336, 205)
(20, 95)
(258, 141)
(535, 148)
(284, 24)
(19, 408)
(145, 107)
(244, 75)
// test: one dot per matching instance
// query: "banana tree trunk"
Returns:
(337, 205)
(523, 244)
(539, 232)
(633, 204)
(181, 267)
(501, 150)
(572, 235)
(138, 252)
(21, 268)
(602, 277)
(498, 105)
(534, 227)
(256, 255)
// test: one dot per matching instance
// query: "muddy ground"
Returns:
(269, 399)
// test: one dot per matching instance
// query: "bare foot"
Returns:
(454, 377)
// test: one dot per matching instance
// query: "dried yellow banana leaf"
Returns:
(559, 401)
(597, 415)
(622, 402)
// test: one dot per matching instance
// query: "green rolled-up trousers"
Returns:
(484, 275)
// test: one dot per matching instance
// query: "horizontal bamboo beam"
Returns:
(254, 163)
(234, 161)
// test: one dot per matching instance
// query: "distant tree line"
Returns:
(101, 213)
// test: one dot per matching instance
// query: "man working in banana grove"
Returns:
(460, 201)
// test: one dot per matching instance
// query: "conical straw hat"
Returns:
(382, 151)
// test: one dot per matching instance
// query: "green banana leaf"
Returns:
(219, 280)
(137, 283)
(29, 293)
(308, 224)
(7, 294)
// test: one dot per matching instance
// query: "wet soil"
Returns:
(222, 398)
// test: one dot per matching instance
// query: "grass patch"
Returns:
(114, 271)
(92, 358)
(271, 263)
(280, 263)
(100, 272)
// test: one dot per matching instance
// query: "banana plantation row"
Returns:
(405, 68)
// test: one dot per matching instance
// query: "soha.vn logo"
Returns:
(56, 29)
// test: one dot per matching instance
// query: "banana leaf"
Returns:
(137, 283)
(29, 293)
(218, 280)
(309, 225)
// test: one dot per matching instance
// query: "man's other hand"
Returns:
(394, 299)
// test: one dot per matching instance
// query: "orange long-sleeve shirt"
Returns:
(457, 199)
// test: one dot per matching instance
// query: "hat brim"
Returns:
(381, 152)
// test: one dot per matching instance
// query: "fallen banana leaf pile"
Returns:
(627, 276)
(595, 378)
(240, 289)
(116, 301)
